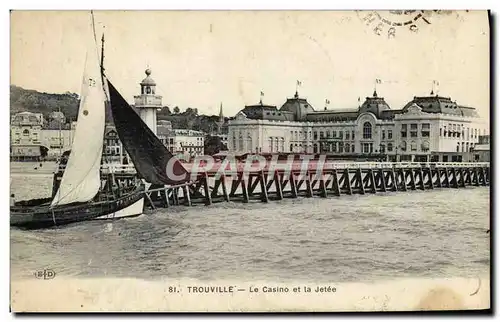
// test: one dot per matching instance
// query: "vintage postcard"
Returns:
(249, 161)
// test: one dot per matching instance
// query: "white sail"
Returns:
(81, 180)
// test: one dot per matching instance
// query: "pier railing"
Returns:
(241, 181)
(130, 169)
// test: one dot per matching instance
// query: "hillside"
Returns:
(33, 101)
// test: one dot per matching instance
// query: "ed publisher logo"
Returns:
(45, 274)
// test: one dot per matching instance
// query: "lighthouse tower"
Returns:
(148, 102)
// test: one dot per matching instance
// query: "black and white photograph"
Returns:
(250, 160)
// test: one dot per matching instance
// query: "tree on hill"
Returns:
(213, 145)
(32, 101)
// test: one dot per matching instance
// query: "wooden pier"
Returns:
(328, 180)
(333, 180)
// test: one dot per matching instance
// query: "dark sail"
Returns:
(150, 157)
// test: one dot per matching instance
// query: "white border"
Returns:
(177, 5)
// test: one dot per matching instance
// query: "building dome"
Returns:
(375, 105)
(148, 81)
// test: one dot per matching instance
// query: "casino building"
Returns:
(428, 128)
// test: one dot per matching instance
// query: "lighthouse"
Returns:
(148, 102)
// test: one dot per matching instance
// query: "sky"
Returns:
(201, 59)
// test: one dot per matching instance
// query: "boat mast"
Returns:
(102, 64)
(106, 103)
(60, 143)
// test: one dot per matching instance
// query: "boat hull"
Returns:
(30, 215)
(133, 210)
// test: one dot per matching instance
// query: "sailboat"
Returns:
(79, 195)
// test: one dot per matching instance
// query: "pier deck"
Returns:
(293, 179)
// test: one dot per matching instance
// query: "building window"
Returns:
(249, 143)
(347, 135)
(321, 136)
(404, 130)
(315, 135)
(413, 146)
(389, 134)
(382, 148)
(383, 134)
(367, 130)
(334, 134)
(403, 146)
(458, 147)
(291, 147)
(389, 147)
(341, 147)
(270, 144)
(334, 147)
(341, 135)
(425, 146)
(426, 128)
(413, 130)
(26, 132)
(347, 147)
(241, 143)
(352, 136)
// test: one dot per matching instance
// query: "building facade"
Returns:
(432, 128)
(481, 151)
(182, 141)
(34, 139)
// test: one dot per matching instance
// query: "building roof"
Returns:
(266, 112)
(184, 132)
(300, 107)
(332, 116)
(148, 80)
(482, 147)
(376, 105)
(56, 125)
(441, 104)
(56, 114)
(28, 117)
(163, 129)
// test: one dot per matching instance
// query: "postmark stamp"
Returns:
(392, 22)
